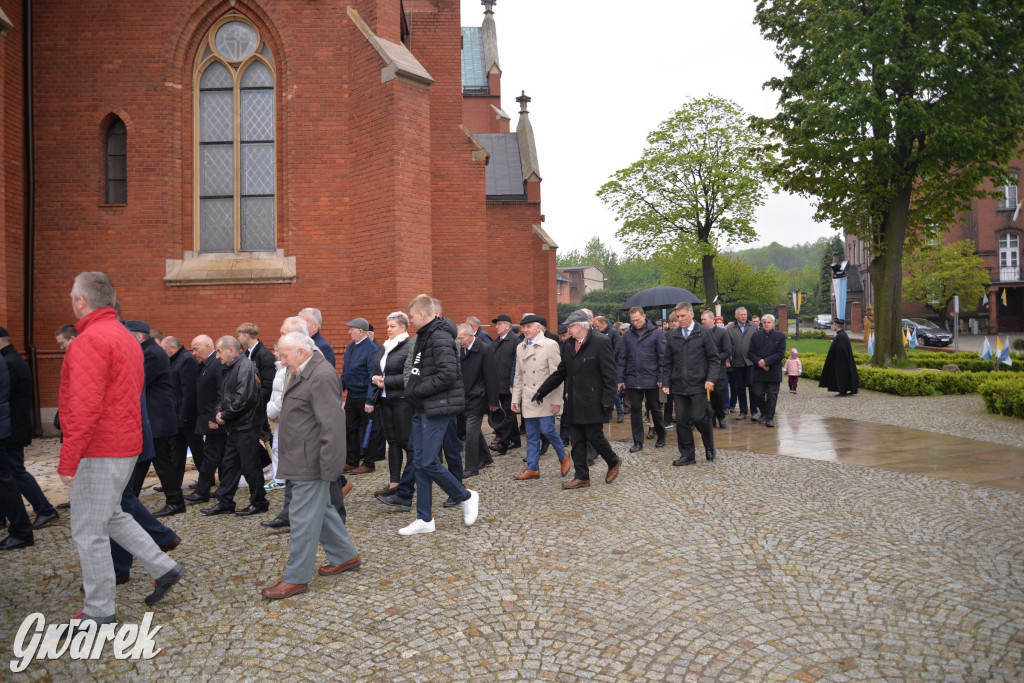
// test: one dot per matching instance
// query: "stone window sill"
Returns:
(239, 268)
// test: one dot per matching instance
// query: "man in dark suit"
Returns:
(12, 448)
(184, 375)
(314, 320)
(724, 344)
(767, 350)
(504, 422)
(588, 370)
(480, 385)
(162, 420)
(689, 371)
(208, 383)
(11, 505)
(263, 358)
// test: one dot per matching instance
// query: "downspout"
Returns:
(30, 223)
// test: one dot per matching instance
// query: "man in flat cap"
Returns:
(587, 368)
(536, 358)
(355, 379)
(504, 422)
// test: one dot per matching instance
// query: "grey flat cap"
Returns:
(578, 316)
(359, 324)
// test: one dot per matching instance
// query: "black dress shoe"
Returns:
(168, 510)
(769, 422)
(276, 523)
(741, 416)
(500, 449)
(43, 520)
(158, 489)
(660, 444)
(760, 420)
(544, 448)
(12, 542)
(394, 500)
(466, 474)
(711, 455)
(192, 487)
(682, 462)
(450, 503)
(637, 447)
(63, 506)
(196, 498)
(164, 583)
(650, 433)
(512, 445)
(219, 509)
(252, 510)
(619, 418)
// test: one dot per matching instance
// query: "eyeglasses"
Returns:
(63, 343)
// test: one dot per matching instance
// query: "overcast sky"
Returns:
(604, 74)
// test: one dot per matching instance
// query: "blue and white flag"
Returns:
(913, 339)
(871, 344)
(986, 350)
(1003, 356)
(840, 289)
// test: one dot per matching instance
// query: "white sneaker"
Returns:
(470, 508)
(418, 527)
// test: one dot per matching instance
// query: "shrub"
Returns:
(1004, 395)
(1018, 344)
(809, 334)
(903, 382)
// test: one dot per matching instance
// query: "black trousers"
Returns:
(741, 383)
(587, 436)
(636, 416)
(396, 417)
(506, 426)
(766, 395)
(718, 400)
(693, 407)
(170, 465)
(195, 444)
(477, 452)
(356, 419)
(12, 506)
(240, 459)
(213, 454)
(669, 407)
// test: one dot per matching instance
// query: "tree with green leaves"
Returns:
(893, 114)
(738, 281)
(936, 273)
(697, 186)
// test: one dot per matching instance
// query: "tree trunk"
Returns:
(707, 265)
(887, 280)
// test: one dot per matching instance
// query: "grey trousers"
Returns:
(314, 520)
(97, 519)
(337, 500)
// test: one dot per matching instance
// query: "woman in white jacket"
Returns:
(273, 413)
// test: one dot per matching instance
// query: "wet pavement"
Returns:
(825, 549)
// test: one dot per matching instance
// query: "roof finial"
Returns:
(523, 100)
(488, 6)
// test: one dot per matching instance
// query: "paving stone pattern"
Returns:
(755, 567)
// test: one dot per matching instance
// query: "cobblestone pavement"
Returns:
(754, 567)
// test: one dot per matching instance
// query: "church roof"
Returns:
(504, 173)
(474, 72)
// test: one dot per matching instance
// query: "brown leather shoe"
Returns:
(329, 570)
(363, 469)
(613, 472)
(172, 545)
(283, 590)
(576, 484)
(346, 489)
(348, 468)
(565, 464)
(527, 474)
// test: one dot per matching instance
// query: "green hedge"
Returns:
(1004, 395)
(809, 334)
(902, 382)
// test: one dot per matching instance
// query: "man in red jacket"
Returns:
(101, 385)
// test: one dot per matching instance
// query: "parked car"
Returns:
(823, 321)
(928, 333)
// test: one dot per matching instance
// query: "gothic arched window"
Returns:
(117, 163)
(234, 134)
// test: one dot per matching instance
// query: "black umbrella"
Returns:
(661, 297)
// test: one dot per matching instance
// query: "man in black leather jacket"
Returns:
(240, 416)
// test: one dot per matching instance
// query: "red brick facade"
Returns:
(377, 192)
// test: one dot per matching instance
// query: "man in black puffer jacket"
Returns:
(240, 414)
(434, 391)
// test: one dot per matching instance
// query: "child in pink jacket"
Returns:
(793, 369)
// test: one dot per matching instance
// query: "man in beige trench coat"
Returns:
(536, 358)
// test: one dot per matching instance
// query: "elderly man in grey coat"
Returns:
(311, 455)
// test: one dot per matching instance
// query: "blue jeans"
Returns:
(618, 403)
(26, 483)
(427, 434)
(535, 426)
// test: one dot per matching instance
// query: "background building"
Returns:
(237, 161)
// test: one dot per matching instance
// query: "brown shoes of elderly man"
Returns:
(284, 589)
(527, 474)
